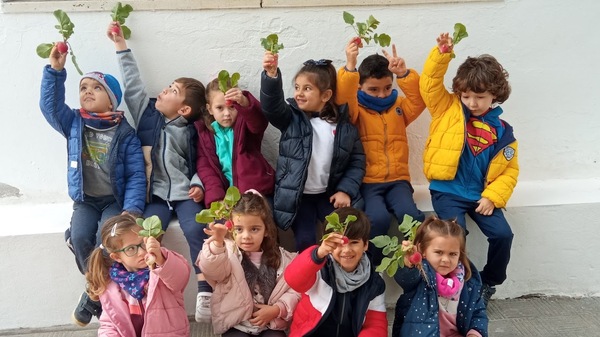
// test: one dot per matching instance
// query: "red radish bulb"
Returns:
(444, 49)
(62, 47)
(115, 30)
(228, 102)
(345, 240)
(415, 258)
(228, 225)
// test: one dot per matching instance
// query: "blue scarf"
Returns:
(133, 282)
(375, 103)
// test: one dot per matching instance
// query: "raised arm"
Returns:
(434, 94)
(274, 107)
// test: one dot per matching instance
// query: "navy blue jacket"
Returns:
(127, 172)
(295, 147)
(417, 309)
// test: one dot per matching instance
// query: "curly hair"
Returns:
(481, 74)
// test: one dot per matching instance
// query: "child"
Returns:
(165, 127)
(250, 295)
(321, 161)
(381, 117)
(229, 145)
(106, 166)
(137, 301)
(443, 296)
(471, 154)
(342, 295)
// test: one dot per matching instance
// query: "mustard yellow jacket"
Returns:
(383, 135)
(447, 134)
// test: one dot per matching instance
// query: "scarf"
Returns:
(349, 281)
(133, 282)
(450, 286)
(263, 276)
(101, 120)
(375, 103)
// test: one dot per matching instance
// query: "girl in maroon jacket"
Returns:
(229, 145)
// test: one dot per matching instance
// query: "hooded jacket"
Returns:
(169, 145)
(250, 168)
(417, 309)
(447, 136)
(231, 301)
(383, 135)
(295, 148)
(315, 280)
(128, 180)
(164, 312)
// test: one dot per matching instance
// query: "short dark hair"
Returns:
(481, 74)
(374, 66)
(324, 76)
(194, 97)
(358, 229)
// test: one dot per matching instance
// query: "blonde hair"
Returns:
(97, 276)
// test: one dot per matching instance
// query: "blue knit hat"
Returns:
(111, 85)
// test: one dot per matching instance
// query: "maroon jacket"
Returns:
(250, 168)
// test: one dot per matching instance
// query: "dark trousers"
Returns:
(494, 227)
(381, 201)
(312, 209)
(233, 332)
(186, 214)
(87, 219)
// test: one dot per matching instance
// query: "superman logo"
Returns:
(480, 136)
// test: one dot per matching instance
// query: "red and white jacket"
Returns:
(311, 277)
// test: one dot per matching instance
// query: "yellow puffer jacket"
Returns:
(447, 134)
(383, 135)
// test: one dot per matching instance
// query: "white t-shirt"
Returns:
(322, 154)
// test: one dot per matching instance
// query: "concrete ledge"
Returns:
(555, 225)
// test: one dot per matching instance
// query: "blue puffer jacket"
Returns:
(418, 307)
(127, 173)
(295, 147)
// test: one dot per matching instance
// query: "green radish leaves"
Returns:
(271, 43)
(226, 82)
(220, 209)
(334, 224)
(120, 13)
(151, 227)
(365, 30)
(391, 245)
(65, 29)
(460, 32)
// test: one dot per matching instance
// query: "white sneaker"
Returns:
(203, 314)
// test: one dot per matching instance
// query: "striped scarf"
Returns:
(101, 120)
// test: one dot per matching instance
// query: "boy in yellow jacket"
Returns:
(471, 154)
(381, 117)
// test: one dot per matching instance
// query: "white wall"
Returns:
(546, 45)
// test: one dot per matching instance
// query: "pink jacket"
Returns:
(165, 313)
(231, 301)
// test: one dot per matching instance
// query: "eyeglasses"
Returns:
(132, 250)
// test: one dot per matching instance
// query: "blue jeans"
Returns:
(186, 214)
(86, 224)
(381, 201)
(494, 227)
(312, 209)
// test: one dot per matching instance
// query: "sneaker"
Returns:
(203, 314)
(86, 308)
(486, 292)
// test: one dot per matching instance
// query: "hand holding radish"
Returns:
(57, 59)
(444, 42)
(115, 34)
(217, 233)
(330, 243)
(412, 256)
(153, 252)
(397, 64)
(352, 53)
(270, 63)
(236, 95)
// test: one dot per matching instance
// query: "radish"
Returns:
(415, 258)
(228, 225)
(228, 102)
(115, 30)
(444, 49)
(345, 240)
(62, 47)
